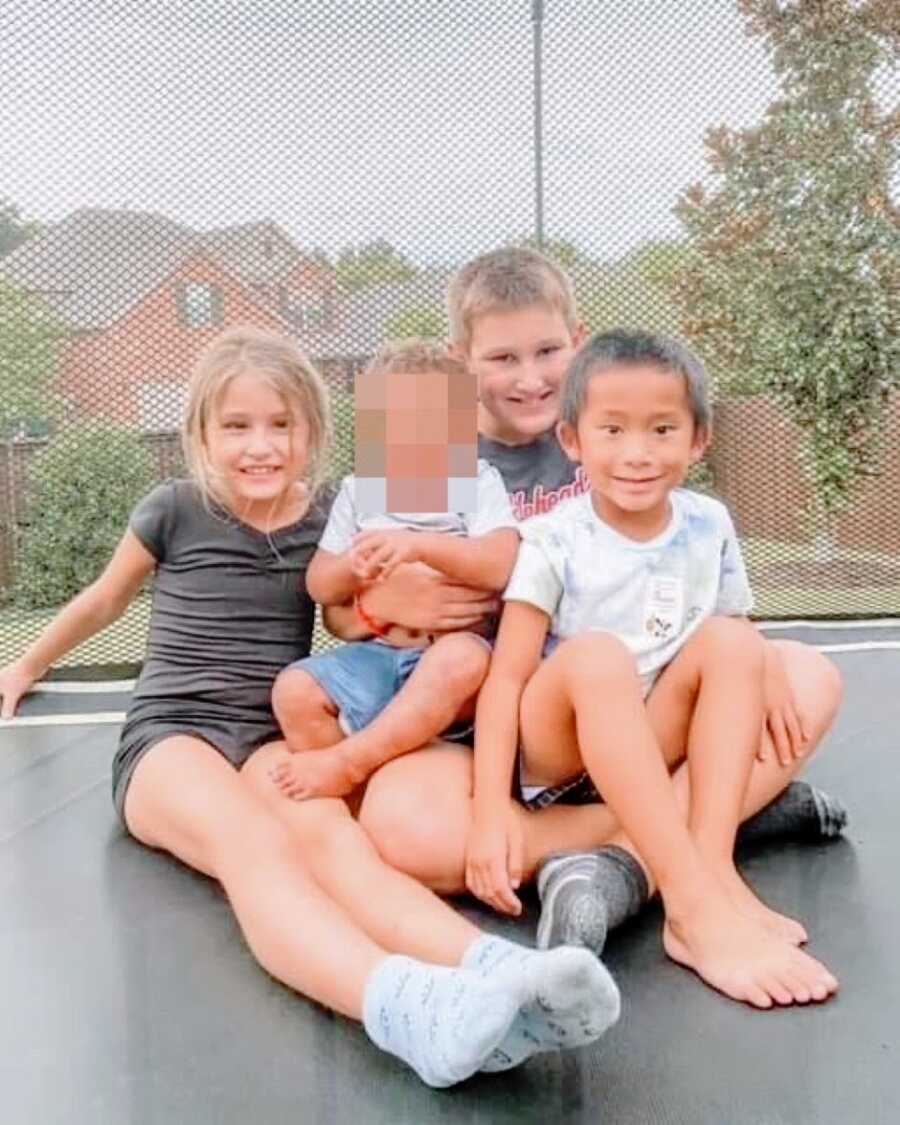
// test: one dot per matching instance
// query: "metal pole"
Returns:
(537, 18)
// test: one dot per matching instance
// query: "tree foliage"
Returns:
(426, 320)
(14, 230)
(634, 292)
(372, 263)
(792, 281)
(29, 339)
(80, 494)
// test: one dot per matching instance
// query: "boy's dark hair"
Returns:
(624, 348)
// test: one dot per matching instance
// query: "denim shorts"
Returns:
(363, 677)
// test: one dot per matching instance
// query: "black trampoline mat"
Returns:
(129, 996)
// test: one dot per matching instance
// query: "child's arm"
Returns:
(331, 579)
(493, 848)
(485, 561)
(784, 724)
(90, 611)
(418, 597)
(343, 622)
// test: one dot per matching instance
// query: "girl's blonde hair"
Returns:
(282, 365)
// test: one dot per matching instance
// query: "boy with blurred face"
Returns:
(419, 496)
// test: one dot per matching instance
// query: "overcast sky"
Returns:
(343, 120)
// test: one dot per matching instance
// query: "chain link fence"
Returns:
(725, 170)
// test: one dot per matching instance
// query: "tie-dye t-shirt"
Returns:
(652, 595)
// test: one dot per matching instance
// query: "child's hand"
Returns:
(784, 724)
(494, 858)
(375, 554)
(14, 683)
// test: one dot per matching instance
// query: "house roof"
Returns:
(260, 253)
(367, 314)
(96, 264)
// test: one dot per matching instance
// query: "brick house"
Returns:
(139, 295)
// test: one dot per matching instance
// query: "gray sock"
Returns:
(584, 895)
(801, 812)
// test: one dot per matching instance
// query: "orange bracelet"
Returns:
(380, 629)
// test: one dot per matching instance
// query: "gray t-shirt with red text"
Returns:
(537, 475)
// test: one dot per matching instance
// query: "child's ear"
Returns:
(456, 352)
(568, 439)
(579, 334)
(700, 444)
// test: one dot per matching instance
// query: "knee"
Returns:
(394, 817)
(297, 698)
(732, 640)
(416, 829)
(598, 657)
(816, 682)
(461, 663)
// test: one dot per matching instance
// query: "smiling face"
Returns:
(636, 439)
(519, 357)
(256, 447)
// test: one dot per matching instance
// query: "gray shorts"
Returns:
(234, 740)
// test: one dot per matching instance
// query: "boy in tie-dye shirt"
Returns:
(622, 641)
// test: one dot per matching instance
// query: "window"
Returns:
(306, 314)
(199, 304)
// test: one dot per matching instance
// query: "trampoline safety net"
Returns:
(725, 171)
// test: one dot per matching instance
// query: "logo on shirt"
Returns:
(663, 606)
(545, 500)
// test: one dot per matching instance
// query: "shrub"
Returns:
(81, 492)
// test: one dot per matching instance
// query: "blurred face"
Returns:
(256, 445)
(636, 439)
(519, 358)
(415, 434)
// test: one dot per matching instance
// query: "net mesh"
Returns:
(322, 168)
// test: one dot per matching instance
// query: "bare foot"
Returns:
(314, 773)
(739, 958)
(746, 900)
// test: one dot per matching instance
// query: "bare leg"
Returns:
(186, 799)
(442, 687)
(445, 1023)
(590, 682)
(417, 809)
(394, 909)
(306, 715)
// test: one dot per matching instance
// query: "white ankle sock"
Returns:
(444, 1023)
(567, 997)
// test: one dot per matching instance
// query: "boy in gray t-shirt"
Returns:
(364, 703)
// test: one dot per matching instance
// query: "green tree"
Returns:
(560, 250)
(793, 271)
(80, 494)
(428, 320)
(29, 340)
(14, 230)
(634, 292)
(372, 263)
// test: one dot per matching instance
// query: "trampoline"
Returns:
(130, 997)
